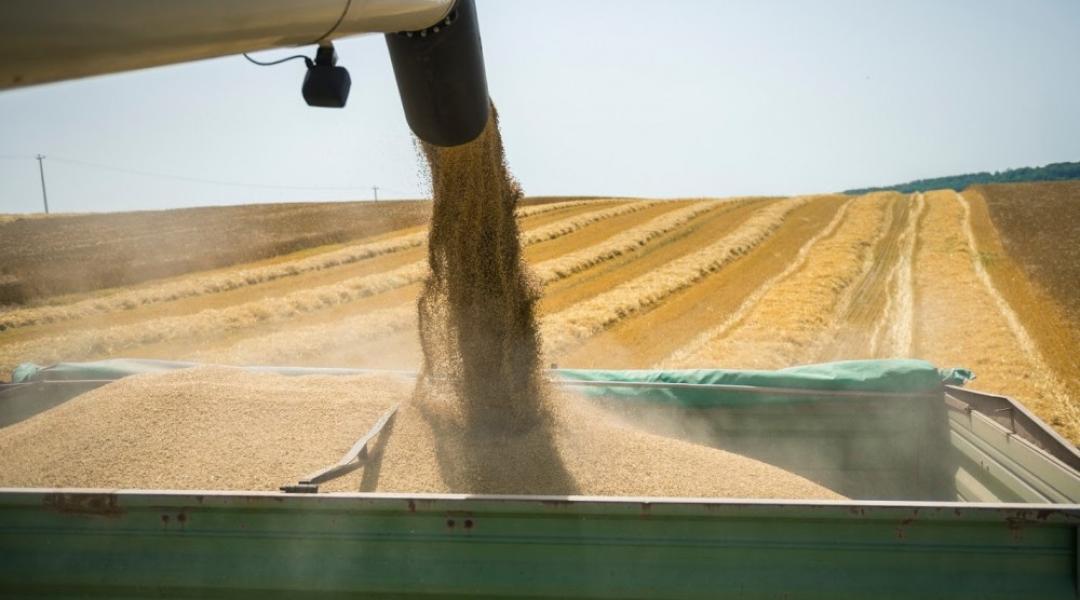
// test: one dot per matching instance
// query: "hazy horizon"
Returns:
(606, 98)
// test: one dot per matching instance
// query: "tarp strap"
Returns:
(755, 389)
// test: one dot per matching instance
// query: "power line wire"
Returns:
(203, 180)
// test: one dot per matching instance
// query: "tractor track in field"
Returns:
(785, 322)
(892, 335)
(860, 330)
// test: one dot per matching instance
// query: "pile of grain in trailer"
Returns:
(228, 429)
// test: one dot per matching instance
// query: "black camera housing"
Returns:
(325, 84)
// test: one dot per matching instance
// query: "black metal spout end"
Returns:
(441, 78)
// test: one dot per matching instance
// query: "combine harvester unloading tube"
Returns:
(956, 493)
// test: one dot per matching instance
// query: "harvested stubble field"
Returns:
(53, 256)
(960, 280)
(1030, 246)
(1039, 225)
(43, 257)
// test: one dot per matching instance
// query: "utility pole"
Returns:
(375, 189)
(41, 171)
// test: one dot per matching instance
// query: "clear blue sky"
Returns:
(653, 98)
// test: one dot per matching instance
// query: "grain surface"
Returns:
(211, 428)
(229, 429)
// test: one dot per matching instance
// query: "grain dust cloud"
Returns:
(480, 388)
(477, 310)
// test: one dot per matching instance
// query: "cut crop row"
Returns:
(198, 285)
(784, 324)
(578, 322)
(317, 339)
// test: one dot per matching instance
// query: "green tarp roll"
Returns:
(696, 387)
(710, 387)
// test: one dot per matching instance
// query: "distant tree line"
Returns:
(1051, 172)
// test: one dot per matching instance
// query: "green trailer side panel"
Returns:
(141, 544)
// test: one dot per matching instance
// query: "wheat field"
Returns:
(685, 283)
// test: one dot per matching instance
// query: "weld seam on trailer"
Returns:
(968, 445)
(1048, 474)
(563, 540)
(1052, 442)
(1036, 463)
(970, 489)
(1040, 468)
(965, 443)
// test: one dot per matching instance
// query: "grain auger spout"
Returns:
(434, 47)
